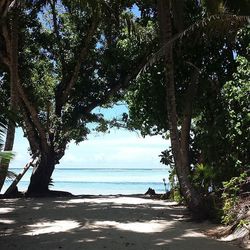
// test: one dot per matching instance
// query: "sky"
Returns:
(118, 149)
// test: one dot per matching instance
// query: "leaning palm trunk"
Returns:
(179, 143)
(12, 187)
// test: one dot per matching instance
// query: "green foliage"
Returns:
(167, 159)
(145, 100)
(176, 195)
(213, 122)
(221, 6)
(243, 223)
(222, 128)
(52, 34)
(230, 198)
(211, 51)
(5, 156)
(202, 177)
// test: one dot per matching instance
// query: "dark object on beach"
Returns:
(13, 194)
(150, 192)
(166, 196)
(50, 193)
(154, 195)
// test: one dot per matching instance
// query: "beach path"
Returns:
(101, 222)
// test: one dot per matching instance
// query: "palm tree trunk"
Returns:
(179, 143)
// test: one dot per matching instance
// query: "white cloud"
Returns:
(118, 149)
(127, 139)
(123, 149)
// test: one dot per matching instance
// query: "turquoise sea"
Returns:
(103, 181)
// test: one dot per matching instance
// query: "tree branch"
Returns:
(56, 30)
(34, 115)
(192, 28)
(30, 131)
(64, 91)
(11, 34)
(4, 53)
(123, 84)
(187, 113)
(5, 6)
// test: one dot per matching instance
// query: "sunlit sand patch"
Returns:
(120, 200)
(52, 227)
(153, 226)
(72, 201)
(91, 240)
(189, 233)
(193, 233)
(5, 210)
(36, 208)
(158, 207)
(6, 221)
(134, 201)
(163, 242)
(65, 206)
(8, 231)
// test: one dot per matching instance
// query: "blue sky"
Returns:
(117, 149)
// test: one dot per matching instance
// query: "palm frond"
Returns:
(2, 134)
(11, 175)
(218, 22)
(6, 156)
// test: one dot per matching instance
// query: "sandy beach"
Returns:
(101, 222)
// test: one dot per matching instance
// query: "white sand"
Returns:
(100, 222)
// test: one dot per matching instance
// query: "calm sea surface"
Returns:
(103, 180)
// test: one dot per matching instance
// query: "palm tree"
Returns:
(5, 156)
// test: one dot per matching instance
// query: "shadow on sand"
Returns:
(100, 222)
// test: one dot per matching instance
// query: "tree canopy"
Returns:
(71, 58)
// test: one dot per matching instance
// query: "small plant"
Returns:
(165, 185)
(230, 198)
(243, 223)
(203, 176)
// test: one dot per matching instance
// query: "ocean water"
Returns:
(103, 181)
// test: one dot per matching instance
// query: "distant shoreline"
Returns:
(105, 181)
(98, 168)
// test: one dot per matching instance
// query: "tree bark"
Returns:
(179, 141)
(5, 6)
(41, 175)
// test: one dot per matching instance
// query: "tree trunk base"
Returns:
(13, 194)
(49, 193)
